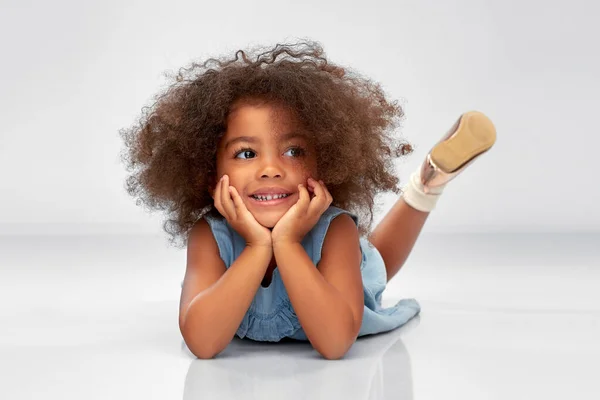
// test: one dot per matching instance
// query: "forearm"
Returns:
(214, 315)
(324, 314)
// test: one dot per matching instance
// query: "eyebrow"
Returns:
(254, 139)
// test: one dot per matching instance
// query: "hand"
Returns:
(231, 206)
(303, 215)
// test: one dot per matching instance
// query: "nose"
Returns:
(271, 168)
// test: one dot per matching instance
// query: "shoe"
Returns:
(472, 135)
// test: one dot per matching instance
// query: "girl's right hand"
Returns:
(231, 206)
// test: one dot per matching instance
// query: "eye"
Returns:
(298, 150)
(244, 151)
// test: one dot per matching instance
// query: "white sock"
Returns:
(415, 196)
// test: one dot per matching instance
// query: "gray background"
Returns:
(506, 270)
(74, 73)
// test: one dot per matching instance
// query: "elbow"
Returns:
(202, 351)
(200, 346)
(336, 349)
(205, 354)
(332, 356)
(334, 352)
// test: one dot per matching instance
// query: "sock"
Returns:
(415, 196)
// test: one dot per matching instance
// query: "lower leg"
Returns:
(395, 236)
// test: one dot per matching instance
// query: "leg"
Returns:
(396, 234)
(472, 135)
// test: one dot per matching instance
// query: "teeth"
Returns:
(270, 197)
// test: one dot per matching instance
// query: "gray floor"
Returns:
(504, 316)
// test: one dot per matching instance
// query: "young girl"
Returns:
(269, 166)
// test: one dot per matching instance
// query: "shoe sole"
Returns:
(474, 136)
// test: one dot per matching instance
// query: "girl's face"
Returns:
(262, 150)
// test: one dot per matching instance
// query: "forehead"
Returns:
(263, 122)
(259, 116)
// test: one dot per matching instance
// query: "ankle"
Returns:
(415, 196)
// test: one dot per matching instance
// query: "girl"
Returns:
(269, 166)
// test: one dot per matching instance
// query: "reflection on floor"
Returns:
(375, 365)
(503, 316)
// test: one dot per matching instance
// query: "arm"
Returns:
(328, 299)
(215, 299)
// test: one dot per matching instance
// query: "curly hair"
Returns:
(171, 151)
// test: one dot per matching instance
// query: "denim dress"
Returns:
(271, 316)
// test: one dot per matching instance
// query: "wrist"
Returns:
(260, 250)
(260, 246)
(285, 244)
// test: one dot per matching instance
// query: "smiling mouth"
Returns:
(265, 201)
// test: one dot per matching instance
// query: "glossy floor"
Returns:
(503, 316)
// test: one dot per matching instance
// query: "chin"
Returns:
(268, 221)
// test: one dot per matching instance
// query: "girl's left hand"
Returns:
(303, 215)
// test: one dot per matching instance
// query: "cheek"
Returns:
(304, 171)
(238, 183)
(309, 173)
(309, 168)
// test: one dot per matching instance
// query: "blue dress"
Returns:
(271, 316)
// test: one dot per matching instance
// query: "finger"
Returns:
(226, 198)
(319, 192)
(329, 196)
(311, 188)
(217, 202)
(304, 199)
(319, 203)
(237, 201)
